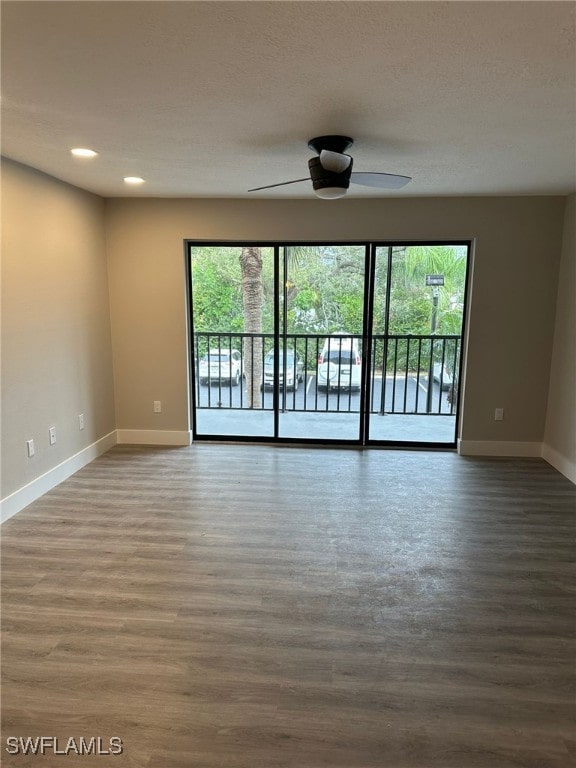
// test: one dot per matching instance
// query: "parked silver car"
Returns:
(294, 369)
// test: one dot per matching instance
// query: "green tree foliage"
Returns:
(217, 291)
(450, 261)
(325, 289)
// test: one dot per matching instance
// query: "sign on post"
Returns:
(434, 279)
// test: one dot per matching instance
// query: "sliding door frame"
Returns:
(280, 255)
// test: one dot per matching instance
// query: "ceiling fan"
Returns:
(331, 172)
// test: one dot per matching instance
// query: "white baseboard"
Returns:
(153, 437)
(41, 485)
(559, 462)
(498, 448)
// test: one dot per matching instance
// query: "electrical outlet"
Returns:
(81, 422)
(499, 414)
(52, 435)
(30, 446)
(157, 406)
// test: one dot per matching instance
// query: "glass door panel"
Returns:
(232, 302)
(416, 338)
(321, 315)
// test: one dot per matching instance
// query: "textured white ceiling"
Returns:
(212, 98)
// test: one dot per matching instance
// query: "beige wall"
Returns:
(560, 435)
(56, 348)
(57, 320)
(517, 248)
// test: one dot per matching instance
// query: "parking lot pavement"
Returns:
(403, 395)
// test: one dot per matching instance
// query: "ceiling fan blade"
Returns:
(336, 162)
(381, 180)
(281, 184)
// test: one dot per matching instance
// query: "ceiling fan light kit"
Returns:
(328, 184)
(331, 172)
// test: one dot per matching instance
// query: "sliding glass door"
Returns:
(335, 342)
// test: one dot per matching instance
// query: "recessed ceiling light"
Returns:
(133, 180)
(79, 152)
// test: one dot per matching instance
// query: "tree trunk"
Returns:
(251, 267)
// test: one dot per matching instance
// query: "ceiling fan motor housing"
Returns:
(322, 179)
(332, 143)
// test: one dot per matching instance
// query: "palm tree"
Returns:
(251, 269)
(252, 300)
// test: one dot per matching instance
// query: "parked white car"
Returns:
(339, 364)
(443, 376)
(221, 365)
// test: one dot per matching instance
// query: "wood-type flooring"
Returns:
(225, 606)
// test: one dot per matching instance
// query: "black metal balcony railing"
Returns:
(324, 374)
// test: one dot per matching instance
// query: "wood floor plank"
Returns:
(226, 606)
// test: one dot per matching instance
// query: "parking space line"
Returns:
(422, 387)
